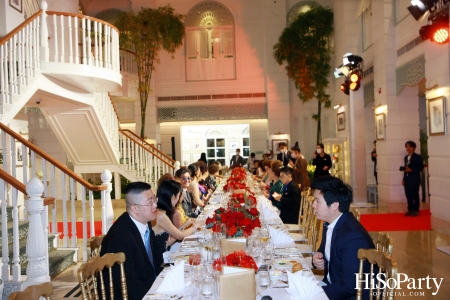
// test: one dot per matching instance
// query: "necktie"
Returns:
(147, 246)
(283, 157)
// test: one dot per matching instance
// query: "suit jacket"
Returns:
(240, 161)
(186, 203)
(287, 157)
(416, 164)
(348, 237)
(290, 203)
(300, 173)
(123, 236)
(320, 162)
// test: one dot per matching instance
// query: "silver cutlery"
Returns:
(280, 287)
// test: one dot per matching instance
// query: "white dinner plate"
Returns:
(286, 263)
(286, 250)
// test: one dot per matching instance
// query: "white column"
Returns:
(117, 187)
(357, 145)
(107, 210)
(37, 249)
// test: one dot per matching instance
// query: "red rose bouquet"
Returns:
(238, 221)
(236, 181)
(236, 259)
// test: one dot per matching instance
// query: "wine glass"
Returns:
(198, 273)
(207, 287)
(263, 279)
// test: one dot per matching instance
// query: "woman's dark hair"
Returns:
(166, 190)
(202, 157)
(265, 163)
(166, 176)
(275, 166)
(411, 144)
(193, 169)
(296, 147)
(202, 166)
(321, 145)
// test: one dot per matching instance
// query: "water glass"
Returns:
(207, 287)
(263, 279)
(198, 273)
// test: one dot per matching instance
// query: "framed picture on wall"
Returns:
(340, 121)
(275, 143)
(19, 154)
(380, 127)
(197, 146)
(233, 145)
(436, 116)
(17, 5)
(186, 147)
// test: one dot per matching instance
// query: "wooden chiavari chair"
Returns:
(307, 218)
(298, 227)
(89, 273)
(34, 292)
(96, 245)
(356, 213)
(384, 243)
(386, 264)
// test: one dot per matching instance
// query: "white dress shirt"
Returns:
(141, 227)
(330, 228)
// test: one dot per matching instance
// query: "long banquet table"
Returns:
(276, 290)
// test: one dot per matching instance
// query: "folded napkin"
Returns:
(173, 280)
(237, 284)
(228, 246)
(268, 213)
(303, 285)
(278, 237)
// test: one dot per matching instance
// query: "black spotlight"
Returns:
(345, 87)
(438, 31)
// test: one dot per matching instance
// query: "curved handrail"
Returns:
(20, 27)
(66, 14)
(115, 110)
(20, 186)
(152, 146)
(50, 159)
(142, 146)
(126, 50)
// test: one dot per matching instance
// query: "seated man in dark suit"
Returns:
(132, 234)
(342, 237)
(290, 200)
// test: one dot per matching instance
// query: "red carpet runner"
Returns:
(396, 222)
(79, 227)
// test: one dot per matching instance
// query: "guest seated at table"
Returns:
(183, 176)
(193, 189)
(342, 237)
(210, 181)
(276, 186)
(179, 216)
(132, 234)
(203, 188)
(169, 194)
(256, 167)
(265, 183)
(290, 198)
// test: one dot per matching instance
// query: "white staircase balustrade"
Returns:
(59, 182)
(19, 61)
(127, 61)
(37, 249)
(141, 160)
(107, 209)
(78, 39)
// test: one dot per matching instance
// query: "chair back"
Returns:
(384, 243)
(386, 264)
(90, 272)
(96, 245)
(307, 214)
(356, 213)
(34, 292)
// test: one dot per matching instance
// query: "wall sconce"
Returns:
(337, 106)
(279, 133)
(376, 106)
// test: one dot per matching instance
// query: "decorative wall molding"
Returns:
(411, 73)
(215, 97)
(217, 112)
(369, 92)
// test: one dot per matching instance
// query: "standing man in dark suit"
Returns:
(132, 234)
(284, 156)
(290, 200)
(342, 237)
(374, 159)
(237, 160)
(411, 178)
(322, 161)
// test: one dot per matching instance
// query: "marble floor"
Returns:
(415, 252)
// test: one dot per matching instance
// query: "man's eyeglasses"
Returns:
(153, 201)
(186, 178)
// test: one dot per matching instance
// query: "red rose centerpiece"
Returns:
(236, 181)
(236, 259)
(238, 221)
